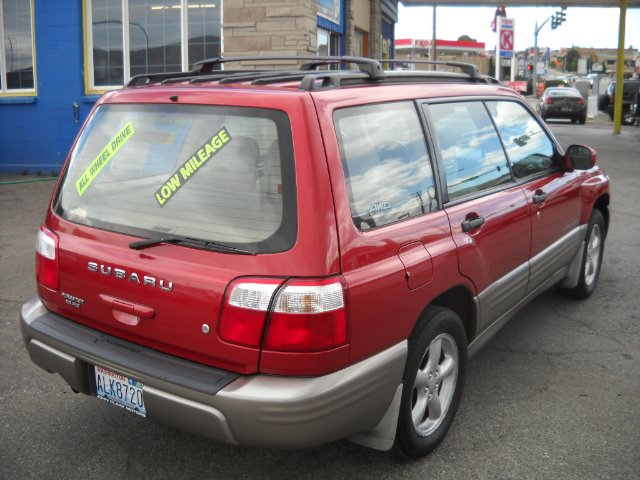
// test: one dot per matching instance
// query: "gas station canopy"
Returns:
(525, 3)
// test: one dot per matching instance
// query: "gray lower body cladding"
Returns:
(252, 410)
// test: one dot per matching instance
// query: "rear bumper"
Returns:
(557, 112)
(253, 410)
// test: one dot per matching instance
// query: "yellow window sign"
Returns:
(104, 157)
(191, 166)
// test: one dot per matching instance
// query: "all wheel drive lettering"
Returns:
(104, 157)
(191, 166)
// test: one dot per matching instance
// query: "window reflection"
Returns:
(107, 42)
(204, 30)
(472, 154)
(155, 37)
(529, 148)
(387, 167)
(18, 45)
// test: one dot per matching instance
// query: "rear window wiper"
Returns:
(189, 242)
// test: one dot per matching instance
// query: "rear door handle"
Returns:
(472, 223)
(539, 197)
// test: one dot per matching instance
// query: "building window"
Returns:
(386, 30)
(328, 44)
(132, 37)
(16, 47)
(361, 47)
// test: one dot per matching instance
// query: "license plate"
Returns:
(565, 109)
(119, 390)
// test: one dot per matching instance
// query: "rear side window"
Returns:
(213, 173)
(528, 147)
(386, 163)
(472, 154)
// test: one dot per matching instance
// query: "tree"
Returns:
(466, 38)
(572, 58)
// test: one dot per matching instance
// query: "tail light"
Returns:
(308, 316)
(580, 101)
(297, 316)
(47, 258)
(548, 100)
(245, 310)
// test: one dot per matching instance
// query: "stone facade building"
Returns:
(309, 27)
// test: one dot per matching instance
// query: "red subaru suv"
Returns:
(287, 258)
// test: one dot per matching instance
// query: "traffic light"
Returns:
(559, 18)
(530, 68)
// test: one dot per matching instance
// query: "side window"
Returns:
(471, 151)
(529, 149)
(386, 163)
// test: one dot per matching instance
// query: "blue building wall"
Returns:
(37, 132)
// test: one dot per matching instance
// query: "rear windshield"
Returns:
(564, 92)
(221, 174)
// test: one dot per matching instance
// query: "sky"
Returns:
(584, 27)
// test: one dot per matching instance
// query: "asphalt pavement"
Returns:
(555, 395)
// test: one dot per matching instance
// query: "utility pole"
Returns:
(557, 19)
(534, 72)
(434, 54)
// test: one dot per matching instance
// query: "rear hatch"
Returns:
(160, 208)
(565, 99)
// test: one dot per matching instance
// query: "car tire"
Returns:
(433, 382)
(574, 120)
(603, 102)
(582, 120)
(591, 258)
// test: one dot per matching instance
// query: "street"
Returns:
(555, 395)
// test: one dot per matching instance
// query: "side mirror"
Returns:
(578, 157)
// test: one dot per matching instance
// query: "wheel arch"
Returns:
(602, 204)
(459, 300)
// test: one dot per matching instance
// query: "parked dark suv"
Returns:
(287, 258)
(629, 97)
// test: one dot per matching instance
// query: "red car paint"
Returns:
(390, 274)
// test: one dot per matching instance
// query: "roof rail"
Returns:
(467, 68)
(205, 70)
(149, 78)
(369, 66)
(308, 73)
(231, 76)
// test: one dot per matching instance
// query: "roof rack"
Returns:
(467, 68)
(309, 74)
(206, 70)
(368, 65)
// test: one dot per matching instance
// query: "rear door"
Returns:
(487, 210)
(396, 249)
